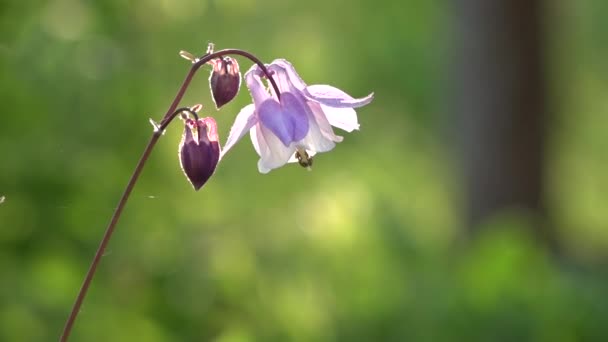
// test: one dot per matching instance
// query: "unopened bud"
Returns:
(199, 150)
(225, 80)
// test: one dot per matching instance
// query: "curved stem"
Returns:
(170, 118)
(206, 58)
(167, 118)
(107, 235)
(115, 217)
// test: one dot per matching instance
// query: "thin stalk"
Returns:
(167, 118)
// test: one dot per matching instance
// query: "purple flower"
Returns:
(199, 150)
(299, 125)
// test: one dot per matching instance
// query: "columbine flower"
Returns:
(199, 150)
(299, 125)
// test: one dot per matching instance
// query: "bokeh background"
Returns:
(373, 245)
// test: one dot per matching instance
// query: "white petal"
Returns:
(261, 168)
(318, 140)
(287, 74)
(243, 123)
(254, 140)
(323, 122)
(334, 97)
(273, 154)
(343, 118)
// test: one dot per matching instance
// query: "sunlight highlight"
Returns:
(67, 19)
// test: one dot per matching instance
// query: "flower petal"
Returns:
(318, 139)
(254, 140)
(323, 122)
(273, 153)
(286, 75)
(334, 97)
(253, 133)
(287, 119)
(343, 118)
(255, 86)
(243, 123)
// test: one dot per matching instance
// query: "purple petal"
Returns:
(334, 97)
(243, 123)
(287, 120)
(343, 118)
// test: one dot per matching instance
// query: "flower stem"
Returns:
(167, 118)
(245, 54)
(107, 235)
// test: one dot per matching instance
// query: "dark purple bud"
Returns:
(199, 150)
(225, 80)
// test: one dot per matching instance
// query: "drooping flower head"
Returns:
(297, 126)
(225, 80)
(199, 150)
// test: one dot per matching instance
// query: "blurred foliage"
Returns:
(364, 248)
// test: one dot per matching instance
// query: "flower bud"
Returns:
(199, 150)
(225, 80)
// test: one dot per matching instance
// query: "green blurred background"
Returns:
(366, 247)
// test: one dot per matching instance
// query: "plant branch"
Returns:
(167, 118)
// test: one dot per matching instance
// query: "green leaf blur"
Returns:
(363, 248)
